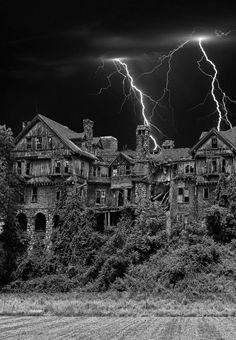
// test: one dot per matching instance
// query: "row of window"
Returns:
(37, 142)
(59, 167)
(121, 170)
(100, 196)
(183, 195)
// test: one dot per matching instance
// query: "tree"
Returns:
(10, 187)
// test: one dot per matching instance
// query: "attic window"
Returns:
(214, 143)
(38, 142)
(28, 143)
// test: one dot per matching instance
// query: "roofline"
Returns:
(40, 117)
(204, 138)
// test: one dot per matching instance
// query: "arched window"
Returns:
(22, 221)
(40, 223)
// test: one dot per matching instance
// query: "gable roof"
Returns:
(63, 133)
(228, 137)
(125, 156)
(171, 155)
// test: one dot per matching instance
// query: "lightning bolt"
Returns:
(218, 95)
(215, 87)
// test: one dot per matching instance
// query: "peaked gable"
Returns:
(205, 141)
(122, 158)
(63, 133)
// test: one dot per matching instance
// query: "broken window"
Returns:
(34, 194)
(28, 143)
(223, 166)
(205, 193)
(114, 171)
(214, 142)
(58, 195)
(50, 142)
(38, 143)
(183, 195)
(100, 196)
(27, 168)
(19, 167)
(214, 165)
(129, 193)
(66, 169)
(128, 170)
(186, 196)
(57, 167)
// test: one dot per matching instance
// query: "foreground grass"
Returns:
(109, 304)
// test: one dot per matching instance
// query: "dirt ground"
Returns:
(161, 328)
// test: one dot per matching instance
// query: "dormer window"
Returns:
(214, 142)
(38, 143)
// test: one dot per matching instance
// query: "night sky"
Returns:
(52, 51)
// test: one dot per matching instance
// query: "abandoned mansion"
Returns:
(53, 158)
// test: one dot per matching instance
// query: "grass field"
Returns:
(109, 304)
(161, 328)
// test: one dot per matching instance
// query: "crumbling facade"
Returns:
(54, 159)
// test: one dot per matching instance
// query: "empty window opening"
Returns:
(223, 165)
(22, 221)
(205, 193)
(40, 223)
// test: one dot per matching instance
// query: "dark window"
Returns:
(28, 143)
(58, 196)
(180, 191)
(82, 169)
(191, 169)
(214, 143)
(223, 165)
(186, 196)
(128, 170)
(187, 169)
(100, 196)
(98, 171)
(38, 143)
(19, 167)
(40, 223)
(120, 198)
(214, 165)
(34, 195)
(129, 193)
(50, 142)
(27, 168)
(66, 167)
(205, 193)
(22, 221)
(58, 167)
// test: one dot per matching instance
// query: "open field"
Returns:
(161, 328)
(109, 305)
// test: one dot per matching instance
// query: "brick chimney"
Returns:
(142, 141)
(88, 132)
(168, 144)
